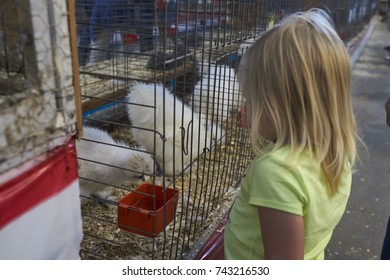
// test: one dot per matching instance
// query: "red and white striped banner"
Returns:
(40, 214)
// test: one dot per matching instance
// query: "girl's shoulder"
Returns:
(284, 159)
(282, 155)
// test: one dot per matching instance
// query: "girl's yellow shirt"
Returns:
(296, 186)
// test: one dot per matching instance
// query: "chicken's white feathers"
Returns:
(217, 93)
(167, 127)
(103, 160)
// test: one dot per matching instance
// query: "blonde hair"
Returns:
(298, 75)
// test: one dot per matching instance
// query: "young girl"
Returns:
(296, 81)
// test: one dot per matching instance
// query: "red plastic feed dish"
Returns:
(130, 38)
(142, 211)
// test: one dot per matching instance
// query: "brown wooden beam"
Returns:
(75, 63)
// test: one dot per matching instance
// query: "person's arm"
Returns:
(283, 234)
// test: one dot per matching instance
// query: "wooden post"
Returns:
(75, 63)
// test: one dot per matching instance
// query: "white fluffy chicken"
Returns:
(217, 93)
(107, 162)
(184, 134)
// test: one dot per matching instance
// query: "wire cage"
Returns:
(165, 139)
(160, 101)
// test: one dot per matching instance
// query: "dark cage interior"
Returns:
(165, 139)
(14, 48)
